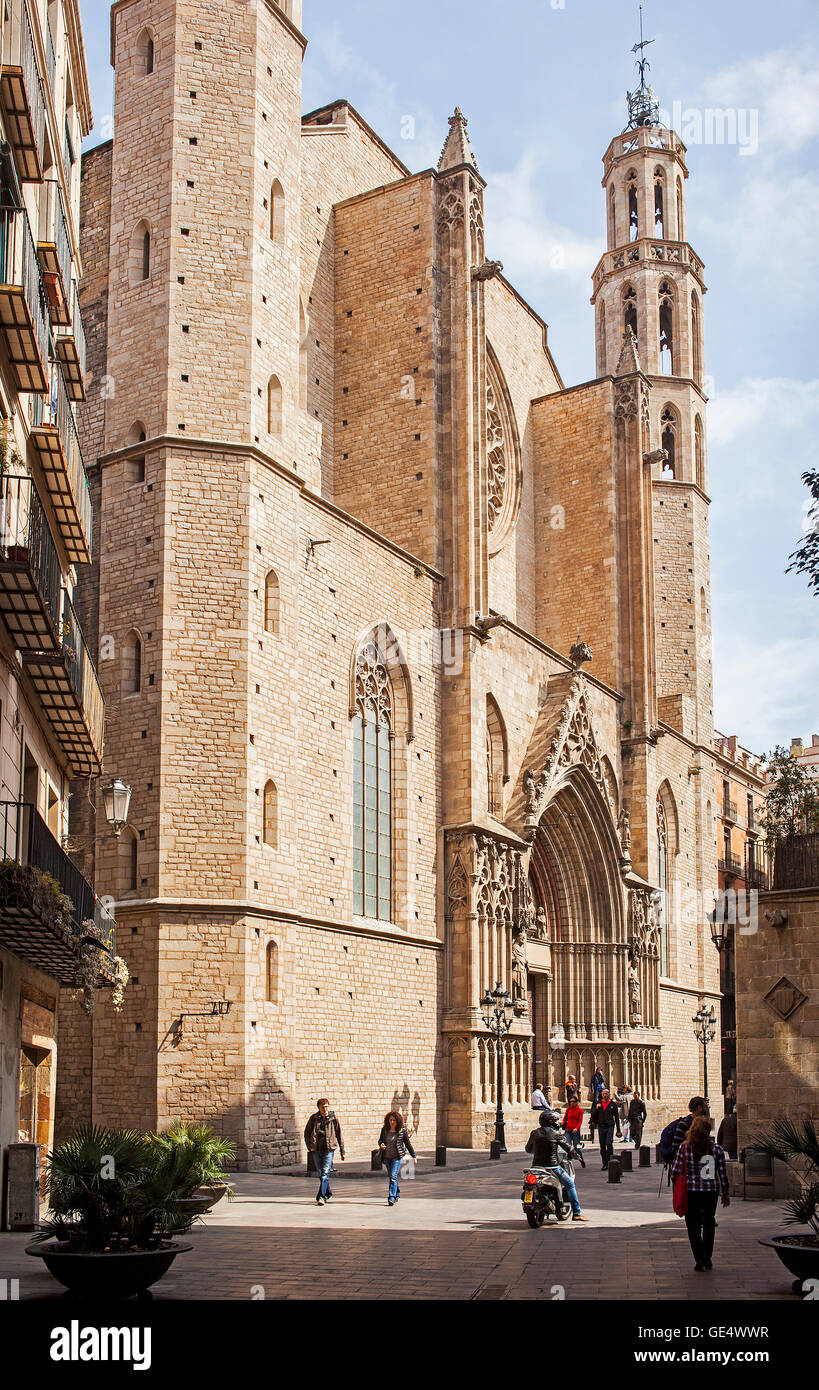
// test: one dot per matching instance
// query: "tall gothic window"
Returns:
(633, 219)
(277, 213)
(666, 329)
(696, 340)
(495, 758)
(663, 883)
(699, 452)
(668, 426)
(659, 203)
(630, 309)
(612, 216)
(270, 825)
(680, 212)
(372, 786)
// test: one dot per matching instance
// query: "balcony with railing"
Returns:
(23, 312)
(71, 350)
(54, 252)
(30, 576)
(36, 878)
(21, 93)
(55, 437)
(51, 59)
(68, 689)
(729, 811)
(730, 864)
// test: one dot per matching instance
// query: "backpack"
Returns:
(667, 1140)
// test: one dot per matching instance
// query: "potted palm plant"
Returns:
(796, 1143)
(201, 1157)
(113, 1212)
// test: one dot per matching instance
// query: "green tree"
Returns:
(792, 800)
(805, 559)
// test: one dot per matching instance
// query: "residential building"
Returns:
(51, 707)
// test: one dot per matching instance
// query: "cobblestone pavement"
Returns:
(457, 1233)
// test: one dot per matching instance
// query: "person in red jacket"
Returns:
(573, 1123)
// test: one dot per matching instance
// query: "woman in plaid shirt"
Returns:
(706, 1178)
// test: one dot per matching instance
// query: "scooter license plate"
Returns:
(528, 1198)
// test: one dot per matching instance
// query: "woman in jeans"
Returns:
(394, 1143)
(703, 1162)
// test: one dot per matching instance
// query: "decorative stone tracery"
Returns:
(573, 745)
(502, 472)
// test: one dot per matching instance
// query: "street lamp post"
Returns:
(497, 1010)
(705, 1026)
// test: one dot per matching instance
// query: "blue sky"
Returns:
(543, 83)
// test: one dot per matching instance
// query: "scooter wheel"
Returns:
(535, 1218)
(563, 1212)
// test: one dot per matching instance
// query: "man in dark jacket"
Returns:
(636, 1118)
(544, 1144)
(322, 1135)
(697, 1105)
(604, 1116)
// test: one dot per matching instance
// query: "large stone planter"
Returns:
(202, 1200)
(800, 1260)
(109, 1275)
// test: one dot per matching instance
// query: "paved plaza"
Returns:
(456, 1233)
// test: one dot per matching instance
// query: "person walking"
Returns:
(394, 1143)
(572, 1089)
(322, 1135)
(730, 1098)
(637, 1117)
(572, 1124)
(702, 1161)
(597, 1086)
(544, 1144)
(623, 1098)
(604, 1117)
(727, 1134)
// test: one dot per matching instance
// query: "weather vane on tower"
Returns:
(643, 107)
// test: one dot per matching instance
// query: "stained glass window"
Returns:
(372, 787)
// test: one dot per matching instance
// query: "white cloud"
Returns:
(339, 69)
(519, 230)
(765, 689)
(758, 405)
(783, 86)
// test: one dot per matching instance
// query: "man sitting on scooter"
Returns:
(544, 1144)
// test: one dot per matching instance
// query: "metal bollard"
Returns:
(645, 1156)
(613, 1170)
(440, 1156)
(495, 1149)
(625, 1161)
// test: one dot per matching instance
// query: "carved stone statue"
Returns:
(625, 832)
(541, 932)
(580, 652)
(519, 994)
(634, 1001)
(488, 270)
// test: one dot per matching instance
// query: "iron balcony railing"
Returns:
(51, 60)
(731, 864)
(54, 250)
(70, 344)
(27, 327)
(25, 538)
(22, 93)
(729, 810)
(81, 673)
(69, 155)
(793, 862)
(64, 470)
(27, 839)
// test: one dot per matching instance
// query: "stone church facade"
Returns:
(405, 646)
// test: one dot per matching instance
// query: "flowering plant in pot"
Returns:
(796, 1143)
(114, 1209)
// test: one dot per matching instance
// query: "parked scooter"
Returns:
(544, 1194)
